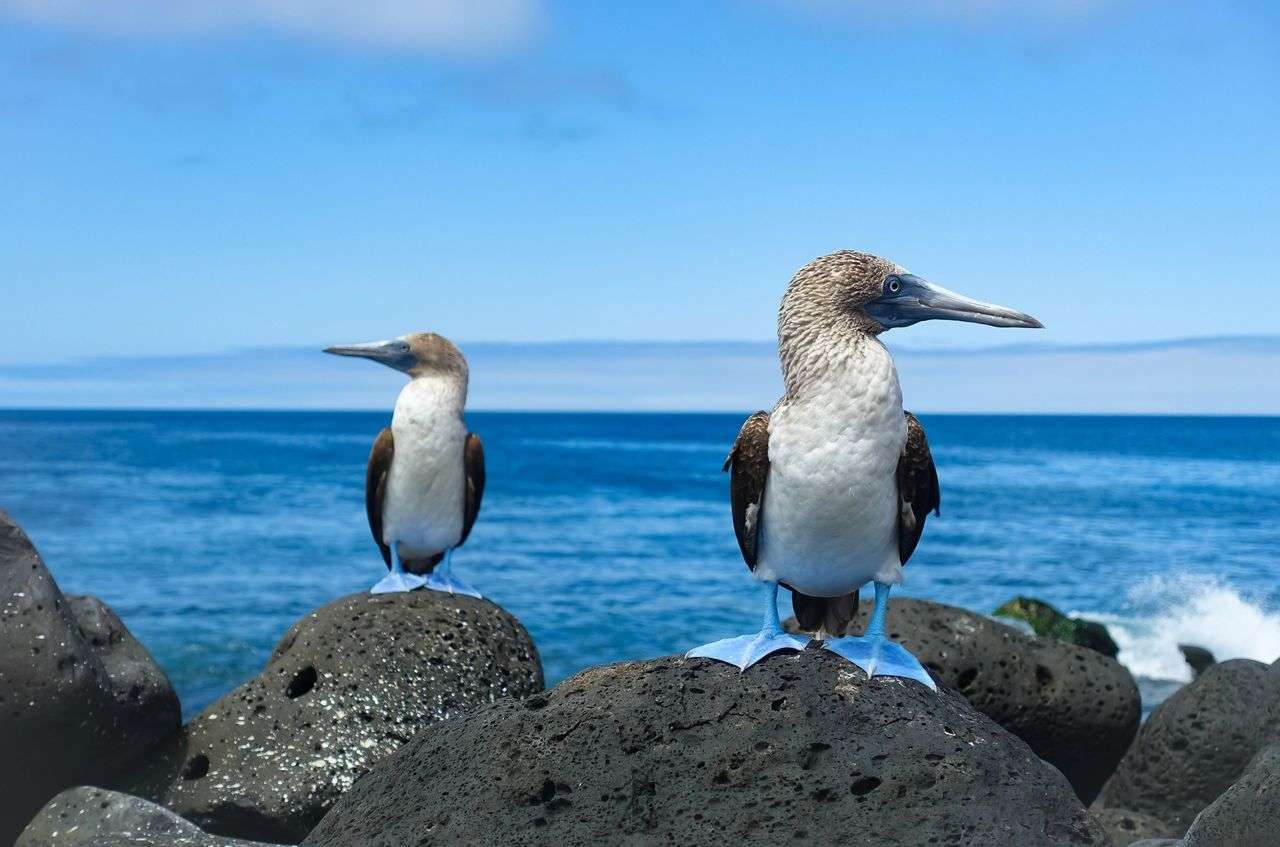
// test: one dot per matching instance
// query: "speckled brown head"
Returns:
(417, 354)
(866, 293)
(835, 287)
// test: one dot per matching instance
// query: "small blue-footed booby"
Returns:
(426, 471)
(831, 490)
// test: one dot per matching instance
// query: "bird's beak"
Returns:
(394, 353)
(907, 299)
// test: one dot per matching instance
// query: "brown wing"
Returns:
(473, 464)
(749, 462)
(918, 493)
(375, 486)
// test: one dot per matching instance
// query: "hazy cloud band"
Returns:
(436, 25)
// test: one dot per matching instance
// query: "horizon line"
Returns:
(1009, 347)
(265, 410)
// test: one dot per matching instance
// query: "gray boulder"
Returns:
(80, 698)
(1198, 742)
(798, 749)
(1248, 813)
(1126, 827)
(93, 817)
(1075, 707)
(345, 688)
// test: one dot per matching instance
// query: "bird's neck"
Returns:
(432, 395)
(833, 353)
(817, 330)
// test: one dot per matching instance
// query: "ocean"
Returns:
(609, 535)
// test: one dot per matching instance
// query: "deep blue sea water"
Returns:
(609, 535)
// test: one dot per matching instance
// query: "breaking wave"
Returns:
(1189, 608)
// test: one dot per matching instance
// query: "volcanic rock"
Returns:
(80, 698)
(1126, 827)
(1198, 742)
(798, 749)
(345, 688)
(1248, 813)
(1075, 707)
(92, 817)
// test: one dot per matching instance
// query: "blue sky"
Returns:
(187, 177)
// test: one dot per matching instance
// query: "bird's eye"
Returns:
(894, 285)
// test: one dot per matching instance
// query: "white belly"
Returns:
(422, 511)
(830, 521)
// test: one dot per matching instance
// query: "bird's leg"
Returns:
(745, 650)
(875, 653)
(442, 578)
(397, 580)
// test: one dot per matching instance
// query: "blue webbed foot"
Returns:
(398, 581)
(879, 656)
(745, 650)
(450, 584)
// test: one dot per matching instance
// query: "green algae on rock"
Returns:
(1048, 622)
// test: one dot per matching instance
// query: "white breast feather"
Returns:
(829, 521)
(422, 511)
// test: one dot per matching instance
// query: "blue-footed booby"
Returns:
(425, 476)
(831, 490)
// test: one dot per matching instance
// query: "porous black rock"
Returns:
(1198, 742)
(94, 817)
(1248, 813)
(801, 748)
(80, 698)
(1125, 826)
(1075, 707)
(345, 688)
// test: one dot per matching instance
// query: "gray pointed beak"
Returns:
(394, 353)
(906, 299)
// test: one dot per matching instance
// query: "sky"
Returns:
(191, 177)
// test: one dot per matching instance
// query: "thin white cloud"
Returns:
(975, 12)
(449, 26)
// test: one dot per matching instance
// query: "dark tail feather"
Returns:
(829, 615)
(422, 567)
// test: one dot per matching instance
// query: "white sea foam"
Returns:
(1190, 609)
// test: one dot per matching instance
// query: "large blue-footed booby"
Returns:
(425, 476)
(831, 490)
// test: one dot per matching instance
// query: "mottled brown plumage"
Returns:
(473, 458)
(749, 461)
(432, 353)
(918, 492)
(375, 487)
(822, 308)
